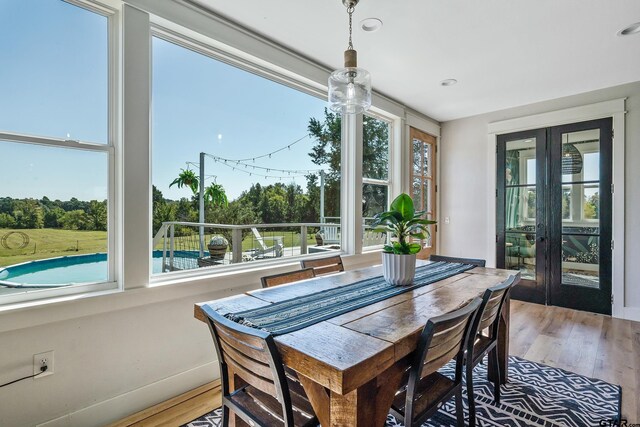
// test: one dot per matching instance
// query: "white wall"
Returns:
(467, 186)
(115, 354)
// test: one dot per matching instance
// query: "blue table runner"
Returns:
(297, 313)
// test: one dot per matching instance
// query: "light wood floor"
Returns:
(585, 343)
(588, 344)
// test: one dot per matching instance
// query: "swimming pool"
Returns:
(69, 270)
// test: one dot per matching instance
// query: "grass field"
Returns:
(48, 243)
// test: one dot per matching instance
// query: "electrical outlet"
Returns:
(42, 359)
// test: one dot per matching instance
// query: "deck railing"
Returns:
(184, 245)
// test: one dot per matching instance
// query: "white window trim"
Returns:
(109, 10)
(614, 109)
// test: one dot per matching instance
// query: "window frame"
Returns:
(209, 48)
(114, 283)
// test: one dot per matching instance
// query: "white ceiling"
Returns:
(504, 53)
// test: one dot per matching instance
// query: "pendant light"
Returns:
(571, 159)
(350, 87)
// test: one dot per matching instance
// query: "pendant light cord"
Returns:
(350, 9)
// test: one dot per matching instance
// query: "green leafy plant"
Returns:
(187, 178)
(215, 195)
(403, 222)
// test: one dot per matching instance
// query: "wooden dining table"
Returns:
(351, 365)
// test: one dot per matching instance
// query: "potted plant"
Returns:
(404, 223)
(218, 247)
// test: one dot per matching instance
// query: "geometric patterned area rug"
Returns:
(536, 395)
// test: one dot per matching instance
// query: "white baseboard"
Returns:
(632, 313)
(121, 406)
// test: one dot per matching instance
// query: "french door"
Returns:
(423, 183)
(554, 218)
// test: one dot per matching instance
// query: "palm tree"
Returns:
(215, 195)
(187, 178)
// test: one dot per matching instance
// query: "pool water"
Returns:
(67, 270)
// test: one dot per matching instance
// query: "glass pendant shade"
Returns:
(350, 90)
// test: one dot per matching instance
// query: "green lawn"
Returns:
(49, 243)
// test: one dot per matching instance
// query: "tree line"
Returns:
(260, 204)
(71, 214)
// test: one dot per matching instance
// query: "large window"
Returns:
(55, 148)
(266, 158)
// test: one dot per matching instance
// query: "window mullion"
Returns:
(351, 191)
(136, 149)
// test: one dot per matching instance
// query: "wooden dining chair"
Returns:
(472, 261)
(488, 319)
(443, 338)
(255, 384)
(325, 265)
(288, 277)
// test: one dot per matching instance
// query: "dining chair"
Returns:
(488, 319)
(424, 389)
(325, 265)
(255, 384)
(472, 261)
(288, 277)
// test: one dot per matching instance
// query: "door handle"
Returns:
(540, 239)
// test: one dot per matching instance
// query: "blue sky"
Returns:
(53, 82)
(200, 104)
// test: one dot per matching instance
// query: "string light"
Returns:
(264, 168)
(286, 147)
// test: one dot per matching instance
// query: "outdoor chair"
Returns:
(472, 261)
(255, 384)
(479, 344)
(327, 265)
(276, 250)
(424, 389)
(288, 277)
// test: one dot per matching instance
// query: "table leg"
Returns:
(318, 397)
(354, 409)
(503, 345)
(368, 405)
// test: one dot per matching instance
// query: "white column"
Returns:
(135, 150)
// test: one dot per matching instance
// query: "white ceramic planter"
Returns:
(398, 270)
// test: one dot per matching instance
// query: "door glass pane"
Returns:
(426, 190)
(581, 156)
(520, 206)
(427, 160)
(581, 260)
(417, 157)
(520, 183)
(581, 208)
(416, 186)
(520, 254)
